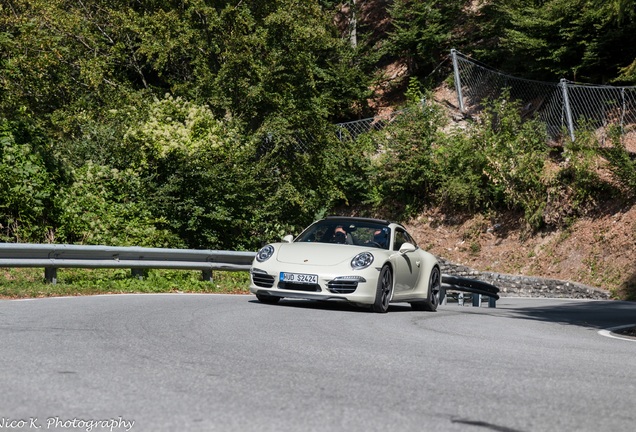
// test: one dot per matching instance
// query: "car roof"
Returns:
(361, 219)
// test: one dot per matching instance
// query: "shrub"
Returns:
(622, 165)
(26, 190)
(515, 153)
(106, 206)
(403, 169)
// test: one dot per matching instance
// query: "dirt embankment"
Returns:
(596, 251)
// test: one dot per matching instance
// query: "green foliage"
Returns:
(459, 167)
(515, 154)
(403, 174)
(197, 173)
(29, 283)
(582, 40)
(621, 164)
(297, 174)
(422, 32)
(103, 205)
(576, 190)
(26, 190)
(208, 124)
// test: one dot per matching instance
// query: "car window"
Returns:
(359, 233)
(402, 237)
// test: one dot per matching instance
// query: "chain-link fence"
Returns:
(344, 131)
(565, 107)
(352, 129)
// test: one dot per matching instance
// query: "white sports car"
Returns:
(364, 261)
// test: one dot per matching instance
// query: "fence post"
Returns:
(623, 109)
(458, 82)
(566, 103)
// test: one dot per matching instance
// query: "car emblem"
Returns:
(306, 261)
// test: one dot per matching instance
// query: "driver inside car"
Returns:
(339, 235)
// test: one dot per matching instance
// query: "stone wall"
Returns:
(526, 286)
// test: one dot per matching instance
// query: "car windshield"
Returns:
(352, 232)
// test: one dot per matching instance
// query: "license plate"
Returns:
(299, 278)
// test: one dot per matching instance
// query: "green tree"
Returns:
(103, 205)
(26, 190)
(581, 40)
(515, 154)
(423, 32)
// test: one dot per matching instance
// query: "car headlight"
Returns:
(265, 253)
(362, 260)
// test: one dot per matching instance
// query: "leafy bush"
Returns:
(403, 169)
(622, 165)
(576, 188)
(461, 184)
(26, 190)
(103, 205)
(515, 153)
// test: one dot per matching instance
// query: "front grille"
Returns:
(299, 286)
(263, 280)
(340, 286)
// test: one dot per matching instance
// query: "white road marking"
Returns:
(609, 333)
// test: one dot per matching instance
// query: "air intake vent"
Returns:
(342, 286)
(263, 280)
(299, 286)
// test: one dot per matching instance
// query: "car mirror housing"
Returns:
(407, 247)
(288, 238)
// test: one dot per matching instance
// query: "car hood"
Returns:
(320, 254)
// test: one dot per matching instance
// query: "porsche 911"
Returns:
(367, 262)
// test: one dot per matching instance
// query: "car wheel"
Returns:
(383, 291)
(434, 287)
(268, 299)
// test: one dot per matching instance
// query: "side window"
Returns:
(399, 239)
(402, 237)
(410, 239)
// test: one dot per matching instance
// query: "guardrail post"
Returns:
(492, 302)
(206, 275)
(477, 300)
(50, 274)
(137, 273)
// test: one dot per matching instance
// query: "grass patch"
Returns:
(30, 283)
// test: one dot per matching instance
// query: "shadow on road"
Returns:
(333, 305)
(594, 314)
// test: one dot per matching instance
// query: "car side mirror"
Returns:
(288, 238)
(407, 247)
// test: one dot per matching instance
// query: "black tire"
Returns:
(267, 299)
(383, 291)
(434, 287)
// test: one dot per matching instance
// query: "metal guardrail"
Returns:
(476, 287)
(54, 256)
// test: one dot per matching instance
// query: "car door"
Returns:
(407, 266)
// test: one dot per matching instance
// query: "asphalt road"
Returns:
(228, 363)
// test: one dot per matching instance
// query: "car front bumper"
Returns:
(355, 287)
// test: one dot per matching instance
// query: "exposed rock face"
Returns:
(526, 286)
